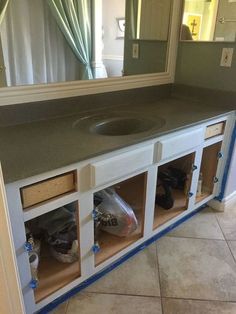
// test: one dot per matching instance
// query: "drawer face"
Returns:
(118, 166)
(179, 143)
(48, 189)
(215, 129)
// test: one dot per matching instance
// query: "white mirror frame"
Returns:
(42, 92)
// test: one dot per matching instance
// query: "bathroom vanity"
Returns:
(65, 161)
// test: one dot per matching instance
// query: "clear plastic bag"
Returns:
(116, 216)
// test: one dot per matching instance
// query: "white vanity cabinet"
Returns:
(134, 173)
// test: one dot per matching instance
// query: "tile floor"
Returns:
(192, 270)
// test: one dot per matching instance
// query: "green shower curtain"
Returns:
(74, 19)
(3, 7)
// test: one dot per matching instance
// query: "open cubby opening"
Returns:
(172, 190)
(55, 255)
(208, 171)
(132, 192)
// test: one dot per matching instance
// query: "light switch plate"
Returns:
(227, 56)
(135, 51)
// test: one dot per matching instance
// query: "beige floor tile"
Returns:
(137, 276)
(196, 269)
(232, 245)
(94, 303)
(203, 225)
(61, 309)
(174, 306)
(227, 221)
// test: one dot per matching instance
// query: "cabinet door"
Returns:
(173, 189)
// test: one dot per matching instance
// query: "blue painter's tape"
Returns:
(109, 268)
(227, 165)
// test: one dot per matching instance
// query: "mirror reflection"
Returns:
(150, 19)
(209, 20)
(146, 36)
(47, 41)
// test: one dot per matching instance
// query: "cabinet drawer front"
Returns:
(46, 190)
(118, 166)
(215, 129)
(178, 144)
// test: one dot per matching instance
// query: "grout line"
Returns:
(123, 294)
(67, 305)
(159, 276)
(226, 240)
(59, 305)
(203, 300)
(182, 237)
(157, 297)
(231, 250)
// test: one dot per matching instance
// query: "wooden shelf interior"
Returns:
(133, 192)
(208, 170)
(201, 197)
(53, 274)
(180, 197)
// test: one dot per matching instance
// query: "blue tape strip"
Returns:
(227, 166)
(121, 260)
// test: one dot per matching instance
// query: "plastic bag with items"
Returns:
(114, 215)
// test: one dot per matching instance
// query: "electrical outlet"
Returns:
(135, 51)
(226, 58)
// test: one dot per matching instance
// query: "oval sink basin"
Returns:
(124, 126)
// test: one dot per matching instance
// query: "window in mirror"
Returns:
(209, 20)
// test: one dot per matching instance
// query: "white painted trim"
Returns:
(11, 300)
(113, 57)
(32, 93)
(224, 204)
(42, 92)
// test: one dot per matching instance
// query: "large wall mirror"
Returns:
(209, 20)
(52, 46)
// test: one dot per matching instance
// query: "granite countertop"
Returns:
(33, 148)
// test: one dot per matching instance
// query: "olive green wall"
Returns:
(152, 53)
(198, 64)
(152, 57)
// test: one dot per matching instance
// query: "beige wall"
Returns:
(10, 293)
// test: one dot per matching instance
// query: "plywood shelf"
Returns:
(202, 196)
(111, 244)
(54, 275)
(162, 215)
(180, 196)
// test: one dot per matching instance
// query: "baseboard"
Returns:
(223, 205)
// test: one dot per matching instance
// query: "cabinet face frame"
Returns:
(11, 298)
(85, 197)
